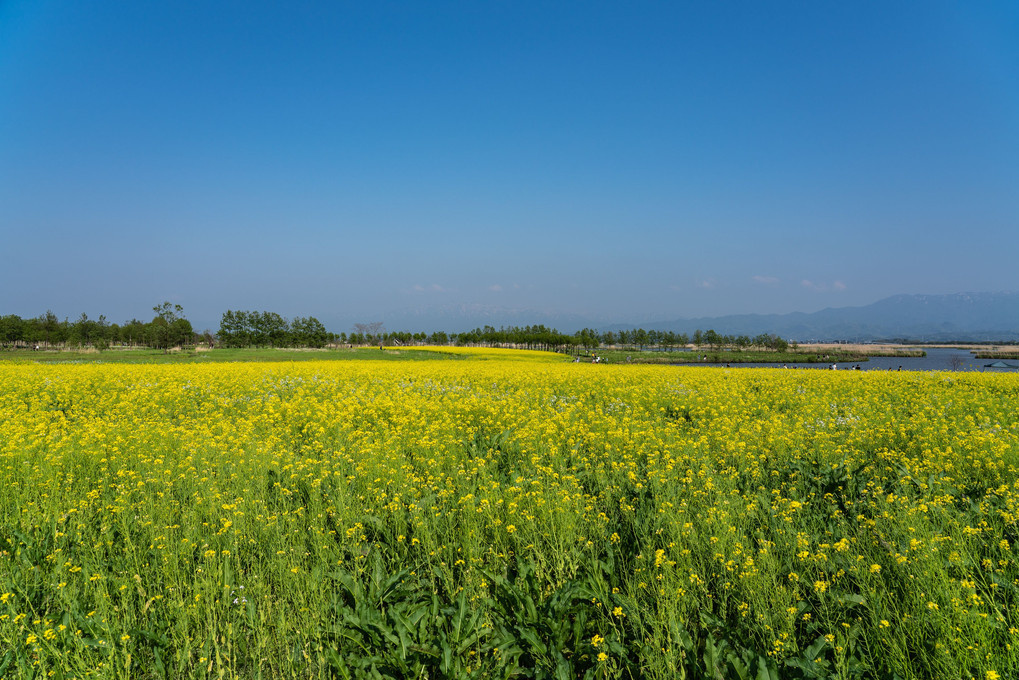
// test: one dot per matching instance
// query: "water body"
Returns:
(937, 359)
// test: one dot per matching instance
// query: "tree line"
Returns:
(168, 328)
(269, 329)
(238, 328)
(540, 337)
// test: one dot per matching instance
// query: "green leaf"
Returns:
(563, 670)
(814, 649)
(402, 628)
(472, 639)
(447, 660)
(531, 637)
(458, 617)
(530, 610)
(737, 664)
(157, 662)
(337, 663)
(710, 657)
(766, 670)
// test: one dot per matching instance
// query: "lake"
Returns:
(937, 359)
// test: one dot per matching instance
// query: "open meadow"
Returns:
(506, 515)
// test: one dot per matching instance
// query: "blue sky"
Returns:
(624, 161)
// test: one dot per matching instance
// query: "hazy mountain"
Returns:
(931, 318)
(958, 317)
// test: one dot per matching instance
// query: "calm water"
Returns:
(937, 359)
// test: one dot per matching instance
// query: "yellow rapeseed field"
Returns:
(506, 513)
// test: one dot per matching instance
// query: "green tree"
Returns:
(12, 329)
(587, 338)
(308, 332)
(50, 330)
(169, 328)
(132, 332)
(273, 329)
(231, 331)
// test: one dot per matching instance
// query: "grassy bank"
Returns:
(827, 354)
(997, 355)
(229, 354)
(865, 349)
(617, 356)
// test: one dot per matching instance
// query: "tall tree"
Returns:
(12, 329)
(169, 328)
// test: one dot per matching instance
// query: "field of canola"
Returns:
(506, 516)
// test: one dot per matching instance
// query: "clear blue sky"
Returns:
(627, 161)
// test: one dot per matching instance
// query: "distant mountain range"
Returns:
(976, 317)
